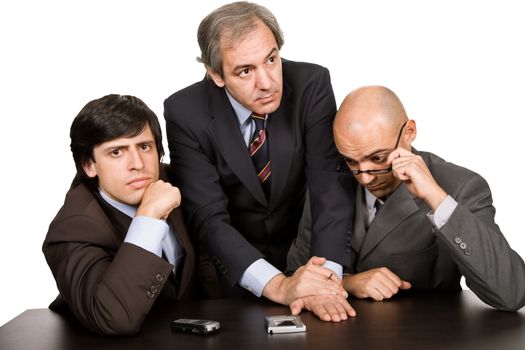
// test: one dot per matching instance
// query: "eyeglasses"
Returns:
(373, 171)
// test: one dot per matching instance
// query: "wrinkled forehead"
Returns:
(361, 140)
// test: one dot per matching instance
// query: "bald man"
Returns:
(420, 222)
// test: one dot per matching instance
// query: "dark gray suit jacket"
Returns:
(224, 203)
(403, 239)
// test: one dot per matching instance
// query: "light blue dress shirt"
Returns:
(260, 272)
(151, 234)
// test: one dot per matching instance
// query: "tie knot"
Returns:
(259, 121)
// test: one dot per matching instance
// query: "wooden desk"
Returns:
(420, 321)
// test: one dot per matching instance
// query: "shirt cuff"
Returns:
(443, 212)
(335, 267)
(257, 276)
(147, 233)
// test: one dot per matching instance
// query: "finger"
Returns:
(349, 310)
(375, 294)
(405, 285)
(386, 289)
(341, 310)
(401, 173)
(391, 280)
(315, 268)
(305, 283)
(387, 283)
(323, 291)
(332, 311)
(296, 306)
(309, 278)
(391, 276)
(316, 260)
(399, 152)
(324, 272)
(321, 312)
(393, 155)
(335, 277)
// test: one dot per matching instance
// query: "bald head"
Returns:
(368, 109)
(370, 124)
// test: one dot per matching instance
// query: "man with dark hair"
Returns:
(106, 245)
(245, 145)
(420, 222)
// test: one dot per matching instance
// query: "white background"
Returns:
(458, 66)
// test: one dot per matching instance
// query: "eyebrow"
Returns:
(244, 66)
(113, 147)
(369, 155)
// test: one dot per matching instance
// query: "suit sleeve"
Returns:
(108, 291)
(204, 201)
(492, 270)
(331, 192)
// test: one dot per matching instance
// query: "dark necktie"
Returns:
(259, 153)
(378, 204)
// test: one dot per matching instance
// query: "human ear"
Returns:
(410, 132)
(89, 168)
(217, 79)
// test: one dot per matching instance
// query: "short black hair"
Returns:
(106, 119)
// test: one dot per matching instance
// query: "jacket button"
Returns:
(463, 245)
(457, 240)
(468, 251)
(150, 295)
(347, 250)
(153, 289)
(159, 277)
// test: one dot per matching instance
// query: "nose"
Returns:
(365, 178)
(264, 82)
(135, 161)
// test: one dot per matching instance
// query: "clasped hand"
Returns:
(312, 287)
(378, 284)
(159, 199)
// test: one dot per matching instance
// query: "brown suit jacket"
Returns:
(108, 285)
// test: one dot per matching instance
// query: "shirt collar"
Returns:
(243, 114)
(370, 199)
(127, 209)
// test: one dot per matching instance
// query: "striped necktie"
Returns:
(259, 153)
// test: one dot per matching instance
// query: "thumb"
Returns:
(316, 260)
(296, 306)
(405, 285)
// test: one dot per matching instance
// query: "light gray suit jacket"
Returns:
(403, 239)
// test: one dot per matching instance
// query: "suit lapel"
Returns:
(399, 206)
(360, 220)
(281, 143)
(177, 223)
(226, 133)
(119, 220)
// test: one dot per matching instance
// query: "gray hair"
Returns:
(232, 22)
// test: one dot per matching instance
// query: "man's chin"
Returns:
(269, 107)
(378, 192)
(134, 199)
